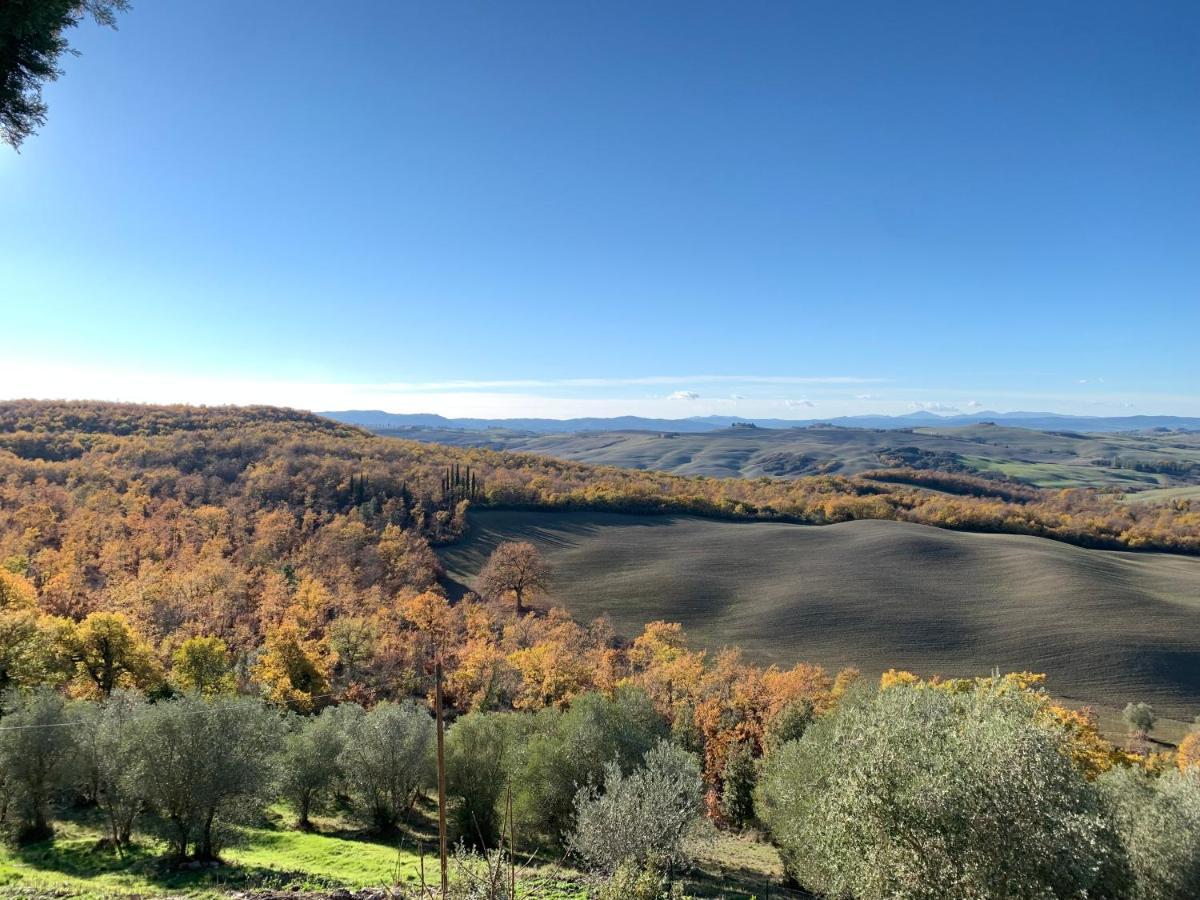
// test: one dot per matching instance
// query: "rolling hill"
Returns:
(1127, 461)
(1106, 627)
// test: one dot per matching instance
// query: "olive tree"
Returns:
(567, 750)
(479, 747)
(915, 792)
(310, 764)
(38, 746)
(205, 763)
(108, 752)
(640, 819)
(1158, 819)
(387, 760)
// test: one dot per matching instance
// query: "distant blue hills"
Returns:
(1040, 421)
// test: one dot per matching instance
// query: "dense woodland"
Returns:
(168, 566)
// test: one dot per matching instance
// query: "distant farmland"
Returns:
(1106, 627)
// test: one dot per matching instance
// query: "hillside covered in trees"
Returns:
(206, 611)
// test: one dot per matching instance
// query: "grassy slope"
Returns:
(1046, 459)
(1106, 627)
(267, 857)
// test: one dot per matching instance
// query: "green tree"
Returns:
(479, 749)
(32, 40)
(37, 752)
(387, 759)
(1141, 718)
(1158, 819)
(204, 764)
(915, 792)
(569, 749)
(738, 779)
(108, 752)
(310, 765)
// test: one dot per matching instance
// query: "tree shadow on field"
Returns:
(84, 860)
(547, 530)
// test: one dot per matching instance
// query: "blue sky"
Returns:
(760, 209)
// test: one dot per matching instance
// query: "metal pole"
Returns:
(441, 765)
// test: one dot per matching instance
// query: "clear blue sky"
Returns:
(783, 208)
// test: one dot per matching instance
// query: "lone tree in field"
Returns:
(515, 567)
(1140, 717)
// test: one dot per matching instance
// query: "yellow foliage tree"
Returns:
(202, 664)
(291, 670)
(108, 653)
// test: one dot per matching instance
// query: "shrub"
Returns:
(640, 818)
(914, 792)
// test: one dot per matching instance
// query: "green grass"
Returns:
(1162, 495)
(74, 865)
(1106, 627)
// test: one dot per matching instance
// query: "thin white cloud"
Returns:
(683, 395)
(470, 384)
(736, 397)
(973, 404)
(863, 396)
(800, 403)
(934, 407)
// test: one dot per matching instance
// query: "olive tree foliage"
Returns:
(310, 760)
(913, 792)
(643, 818)
(387, 760)
(108, 757)
(1158, 819)
(38, 747)
(32, 41)
(566, 751)
(204, 764)
(479, 750)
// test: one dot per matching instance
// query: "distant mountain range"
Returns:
(1041, 421)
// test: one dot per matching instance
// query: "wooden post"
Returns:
(441, 766)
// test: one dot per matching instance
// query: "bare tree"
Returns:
(515, 567)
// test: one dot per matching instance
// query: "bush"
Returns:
(204, 764)
(915, 792)
(387, 759)
(640, 818)
(1159, 823)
